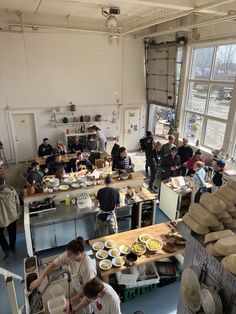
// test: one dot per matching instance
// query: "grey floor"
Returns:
(160, 301)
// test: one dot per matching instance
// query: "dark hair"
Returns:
(198, 152)
(171, 137)
(79, 153)
(93, 287)
(174, 149)
(2, 180)
(34, 164)
(138, 312)
(54, 151)
(221, 163)
(45, 139)
(76, 245)
(148, 133)
(122, 149)
(108, 179)
(59, 172)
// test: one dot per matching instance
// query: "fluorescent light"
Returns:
(111, 21)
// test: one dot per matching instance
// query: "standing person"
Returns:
(191, 162)
(45, 148)
(101, 296)
(199, 186)
(185, 152)
(151, 158)
(9, 213)
(165, 150)
(170, 164)
(101, 137)
(123, 162)
(108, 199)
(80, 265)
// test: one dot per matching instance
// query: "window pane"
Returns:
(215, 132)
(197, 95)
(225, 64)
(193, 127)
(201, 65)
(219, 102)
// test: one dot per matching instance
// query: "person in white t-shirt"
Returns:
(101, 137)
(77, 261)
(101, 296)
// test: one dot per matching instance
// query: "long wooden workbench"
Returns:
(129, 237)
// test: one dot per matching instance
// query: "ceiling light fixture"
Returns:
(109, 13)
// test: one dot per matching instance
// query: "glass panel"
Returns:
(225, 64)
(219, 102)
(178, 69)
(215, 132)
(193, 127)
(201, 64)
(197, 95)
(179, 55)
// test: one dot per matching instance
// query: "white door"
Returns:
(132, 127)
(24, 139)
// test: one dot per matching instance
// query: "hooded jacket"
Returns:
(9, 205)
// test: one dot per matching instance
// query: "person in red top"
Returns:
(190, 163)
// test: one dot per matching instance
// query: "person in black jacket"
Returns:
(185, 152)
(76, 146)
(217, 178)
(53, 165)
(151, 158)
(170, 164)
(45, 148)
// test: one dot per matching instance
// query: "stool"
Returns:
(2, 154)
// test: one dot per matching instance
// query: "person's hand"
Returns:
(46, 170)
(36, 283)
(185, 164)
(173, 168)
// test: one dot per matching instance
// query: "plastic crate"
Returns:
(148, 275)
(130, 293)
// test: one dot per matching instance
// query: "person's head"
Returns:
(108, 180)
(149, 134)
(123, 152)
(75, 249)
(173, 151)
(198, 154)
(171, 139)
(198, 165)
(54, 151)
(185, 141)
(2, 180)
(60, 172)
(35, 166)
(45, 141)
(93, 289)
(158, 145)
(80, 156)
(138, 312)
(58, 158)
(220, 165)
(76, 140)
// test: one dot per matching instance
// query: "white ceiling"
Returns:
(136, 15)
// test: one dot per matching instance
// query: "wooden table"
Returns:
(66, 158)
(128, 237)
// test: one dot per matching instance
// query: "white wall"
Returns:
(40, 71)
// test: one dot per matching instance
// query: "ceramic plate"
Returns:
(118, 261)
(105, 264)
(144, 237)
(114, 252)
(75, 185)
(63, 187)
(110, 244)
(124, 249)
(101, 254)
(98, 246)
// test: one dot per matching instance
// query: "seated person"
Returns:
(60, 173)
(217, 178)
(52, 157)
(76, 146)
(45, 148)
(35, 176)
(76, 163)
(170, 164)
(53, 165)
(61, 148)
(123, 162)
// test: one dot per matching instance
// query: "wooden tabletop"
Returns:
(66, 158)
(128, 237)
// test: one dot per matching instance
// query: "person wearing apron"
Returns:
(108, 199)
(81, 266)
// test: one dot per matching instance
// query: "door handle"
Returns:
(16, 139)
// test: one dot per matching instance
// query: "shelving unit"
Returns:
(83, 139)
(56, 119)
(144, 214)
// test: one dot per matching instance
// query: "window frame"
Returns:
(229, 141)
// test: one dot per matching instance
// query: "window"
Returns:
(209, 91)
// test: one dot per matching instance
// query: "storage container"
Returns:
(57, 290)
(57, 305)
